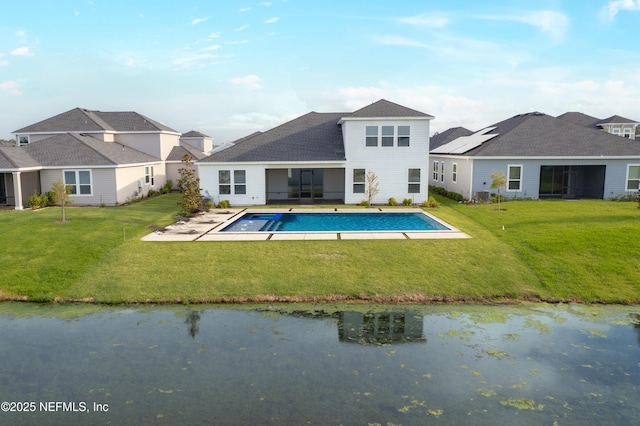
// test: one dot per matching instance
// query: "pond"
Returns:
(319, 364)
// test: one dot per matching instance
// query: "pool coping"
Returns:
(207, 227)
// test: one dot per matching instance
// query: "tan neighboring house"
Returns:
(107, 158)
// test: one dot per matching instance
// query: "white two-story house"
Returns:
(325, 157)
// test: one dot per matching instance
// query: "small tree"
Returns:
(189, 184)
(61, 194)
(372, 186)
(498, 180)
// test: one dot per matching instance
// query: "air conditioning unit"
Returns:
(482, 195)
(140, 183)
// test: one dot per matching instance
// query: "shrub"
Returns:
(153, 193)
(208, 205)
(407, 202)
(224, 204)
(38, 201)
(364, 203)
(449, 194)
(393, 202)
(166, 188)
(431, 203)
(51, 198)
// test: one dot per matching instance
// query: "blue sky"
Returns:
(229, 68)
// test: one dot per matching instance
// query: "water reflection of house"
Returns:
(379, 328)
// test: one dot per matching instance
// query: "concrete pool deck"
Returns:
(206, 227)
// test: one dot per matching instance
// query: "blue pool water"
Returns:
(334, 222)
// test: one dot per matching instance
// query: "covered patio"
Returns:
(311, 185)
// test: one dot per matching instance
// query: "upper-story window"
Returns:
(627, 133)
(616, 131)
(404, 135)
(387, 135)
(372, 136)
(23, 140)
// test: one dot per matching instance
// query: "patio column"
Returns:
(17, 190)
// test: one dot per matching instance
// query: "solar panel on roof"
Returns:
(465, 143)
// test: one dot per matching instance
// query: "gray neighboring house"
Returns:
(570, 156)
(108, 158)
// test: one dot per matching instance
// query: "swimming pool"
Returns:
(334, 222)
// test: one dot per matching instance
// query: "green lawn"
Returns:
(550, 250)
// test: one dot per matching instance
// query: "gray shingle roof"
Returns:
(83, 120)
(178, 151)
(194, 134)
(616, 119)
(447, 136)
(69, 149)
(384, 108)
(12, 158)
(312, 137)
(540, 135)
(579, 118)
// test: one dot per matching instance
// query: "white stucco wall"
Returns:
(390, 164)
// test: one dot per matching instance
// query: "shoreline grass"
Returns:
(549, 251)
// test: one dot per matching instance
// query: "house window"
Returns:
(240, 182)
(454, 172)
(435, 171)
(372, 136)
(414, 181)
(79, 181)
(387, 135)
(514, 178)
(627, 133)
(442, 171)
(224, 182)
(23, 140)
(149, 177)
(358, 181)
(633, 177)
(616, 131)
(404, 135)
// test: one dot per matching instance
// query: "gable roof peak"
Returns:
(385, 108)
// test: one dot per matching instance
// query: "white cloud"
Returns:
(212, 47)
(199, 20)
(243, 27)
(272, 20)
(393, 40)
(265, 3)
(4, 63)
(250, 81)
(214, 35)
(610, 11)
(548, 21)
(11, 87)
(425, 20)
(245, 9)
(21, 51)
